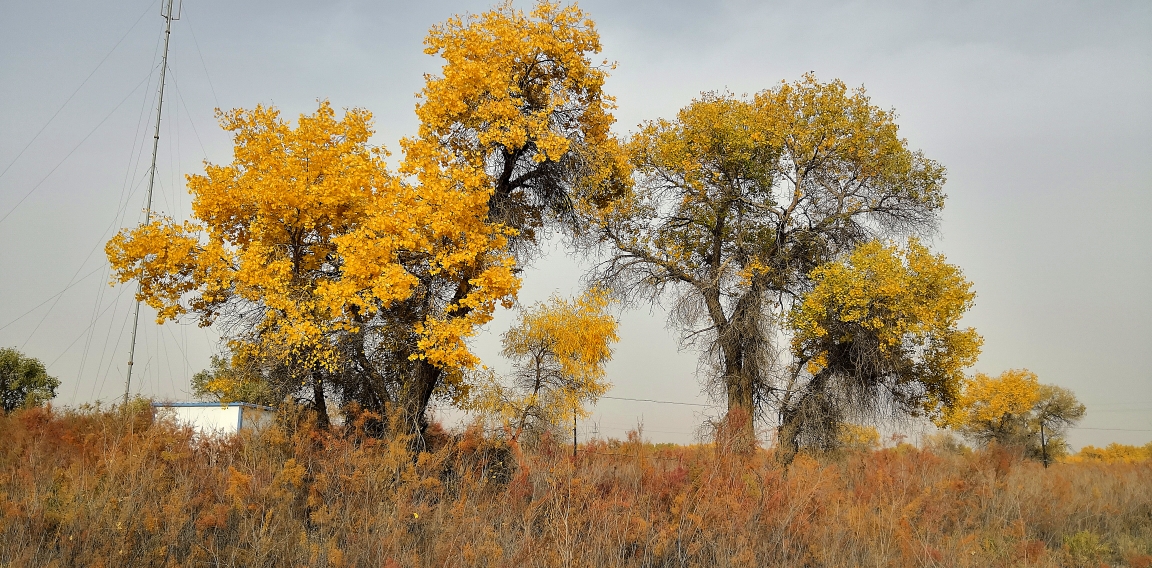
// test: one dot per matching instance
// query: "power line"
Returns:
(73, 151)
(643, 428)
(73, 280)
(82, 83)
(49, 299)
(660, 401)
(188, 115)
(102, 312)
(202, 63)
(1110, 429)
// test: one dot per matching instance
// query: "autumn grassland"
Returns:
(98, 488)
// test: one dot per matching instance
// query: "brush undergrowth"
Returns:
(114, 488)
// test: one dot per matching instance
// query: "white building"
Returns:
(214, 418)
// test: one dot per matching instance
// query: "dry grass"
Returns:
(99, 488)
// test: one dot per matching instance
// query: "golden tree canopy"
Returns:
(313, 253)
(738, 199)
(990, 399)
(261, 250)
(886, 317)
(278, 242)
(518, 117)
(558, 349)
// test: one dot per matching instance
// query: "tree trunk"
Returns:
(425, 377)
(794, 414)
(788, 436)
(739, 338)
(741, 406)
(319, 405)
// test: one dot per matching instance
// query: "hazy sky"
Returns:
(1041, 111)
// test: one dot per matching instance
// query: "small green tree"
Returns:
(24, 382)
(238, 378)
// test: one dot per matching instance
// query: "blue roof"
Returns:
(210, 404)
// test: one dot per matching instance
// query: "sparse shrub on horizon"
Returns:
(944, 442)
(1112, 453)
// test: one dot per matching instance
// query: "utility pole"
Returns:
(166, 12)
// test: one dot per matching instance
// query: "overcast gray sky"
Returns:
(1042, 112)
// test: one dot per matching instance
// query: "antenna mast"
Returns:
(166, 12)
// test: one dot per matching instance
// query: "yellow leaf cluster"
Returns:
(1113, 453)
(990, 399)
(576, 334)
(907, 302)
(266, 228)
(507, 78)
(517, 90)
(306, 234)
(859, 437)
(559, 349)
(307, 227)
(819, 124)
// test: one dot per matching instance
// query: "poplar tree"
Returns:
(737, 201)
(317, 259)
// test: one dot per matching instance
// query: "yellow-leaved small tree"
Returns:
(997, 408)
(1010, 408)
(879, 331)
(558, 349)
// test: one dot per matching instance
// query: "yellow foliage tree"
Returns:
(512, 132)
(559, 350)
(359, 282)
(1009, 409)
(997, 407)
(261, 254)
(737, 200)
(878, 330)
